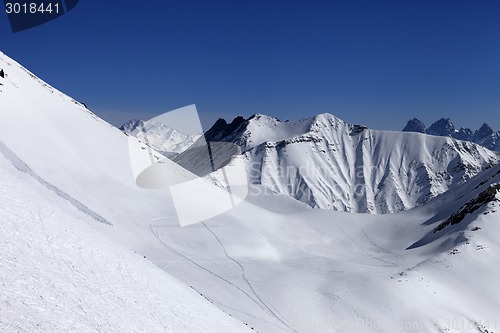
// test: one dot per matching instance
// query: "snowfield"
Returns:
(59, 274)
(85, 249)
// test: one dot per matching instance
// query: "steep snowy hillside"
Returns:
(462, 209)
(57, 272)
(327, 163)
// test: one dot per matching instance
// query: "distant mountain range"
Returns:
(164, 139)
(327, 163)
(484, 136)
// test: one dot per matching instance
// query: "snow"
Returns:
(273, 262)
(58, 274)
(329, 164)
(326, 163)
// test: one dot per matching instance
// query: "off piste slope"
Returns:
(59, 274)
(294, 269)
(327, 163)
(462, 209)
(74, 151)
(64, 174)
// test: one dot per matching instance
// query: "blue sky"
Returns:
(374, 62)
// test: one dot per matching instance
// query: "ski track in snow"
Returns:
(396, 255)
(23, 167)
(255, 299)
(275, 313)
(337, 298)
(57, 274)
(361, 247)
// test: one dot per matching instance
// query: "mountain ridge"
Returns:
(327, 163)
(484, 136)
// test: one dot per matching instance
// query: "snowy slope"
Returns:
(292, 269)
(273, 262)
(327, 163)
(323, 271)
(57, 272)
(74, 150)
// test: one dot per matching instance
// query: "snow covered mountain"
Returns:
(484, 136)
(442, 127)
(327, 163)
(79, 238)
(415, 125)
(160, 137)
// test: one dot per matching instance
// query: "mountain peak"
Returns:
(324, 119)
(464, 134)
(415, 125)
(159, 136)
(224, 131)
(327, 117)
(130, 125)
(484, 131)
(484, 136)
(220, 124)
(442, 127)
(263, 119)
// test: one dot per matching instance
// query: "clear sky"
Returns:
(373, 62)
